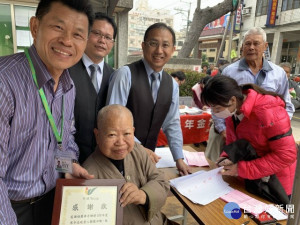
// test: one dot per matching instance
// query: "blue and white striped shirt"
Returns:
(27, 142)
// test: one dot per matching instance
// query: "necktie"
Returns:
(94, 69)
(154, 85)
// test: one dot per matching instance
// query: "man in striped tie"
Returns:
(91, 78)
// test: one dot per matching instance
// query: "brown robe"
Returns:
(142, 172)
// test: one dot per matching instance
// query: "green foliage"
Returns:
(203, 58)
(192, 77)
(205, 64)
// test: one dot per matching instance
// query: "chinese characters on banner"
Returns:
(272, 10)
(195, 129)
(238, 17)
(88, 205)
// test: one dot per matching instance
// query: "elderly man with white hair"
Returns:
(251, 68)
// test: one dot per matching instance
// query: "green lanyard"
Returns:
(45, 103)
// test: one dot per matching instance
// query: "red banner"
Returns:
(272, 11)
(195, 129)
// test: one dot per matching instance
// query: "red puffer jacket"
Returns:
(265, 117)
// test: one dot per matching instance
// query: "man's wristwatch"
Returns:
(75, 161)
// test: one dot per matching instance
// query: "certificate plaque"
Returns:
(79, 201)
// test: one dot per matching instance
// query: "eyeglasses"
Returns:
(99, 35)
(155, 44)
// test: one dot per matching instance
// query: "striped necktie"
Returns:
(154, 85)
(94, 68)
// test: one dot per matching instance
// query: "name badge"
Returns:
(63, 161)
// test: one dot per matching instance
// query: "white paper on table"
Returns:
(166, 158)
(195, 158)
(202, 187)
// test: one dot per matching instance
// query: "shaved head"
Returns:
(111, 112)
(115, 133)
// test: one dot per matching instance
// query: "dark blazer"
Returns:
(87, 105)
(148, 117)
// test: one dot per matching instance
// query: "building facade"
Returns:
(210, 40)
(140, 18)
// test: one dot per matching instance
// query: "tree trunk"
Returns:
(200, 19)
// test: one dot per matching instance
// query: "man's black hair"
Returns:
(81, 6)
(110, 20)
(179, 74)
(160, 26)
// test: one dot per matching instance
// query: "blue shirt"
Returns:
(27, 142)
(275, 80)
(118, 93)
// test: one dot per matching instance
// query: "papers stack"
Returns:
(195, 158)
(190, 111)
(190, 158)
(245, 202)
(202, 187)
(253, 206)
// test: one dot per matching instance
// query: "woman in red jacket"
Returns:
(259, 117)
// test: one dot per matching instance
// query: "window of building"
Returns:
(6, 36)
(262, 7)
(211, 59)
(290, 4)
(203, 50)
(212, 50)
(296, 4)
(18, 30)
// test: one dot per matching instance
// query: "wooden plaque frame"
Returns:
(60, 183)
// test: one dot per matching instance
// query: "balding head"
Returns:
(111, 112)
(115, 133)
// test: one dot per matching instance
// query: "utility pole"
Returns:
(223, 39)
(231, 32)
(230, 36)
(188, 15)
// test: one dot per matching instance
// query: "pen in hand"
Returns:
(221, 160)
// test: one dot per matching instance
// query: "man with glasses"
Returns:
(91, 78)
(151, 94)
(251, 68)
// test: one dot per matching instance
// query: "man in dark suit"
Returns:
(91, 78)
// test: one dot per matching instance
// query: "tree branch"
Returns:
(200, 19)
